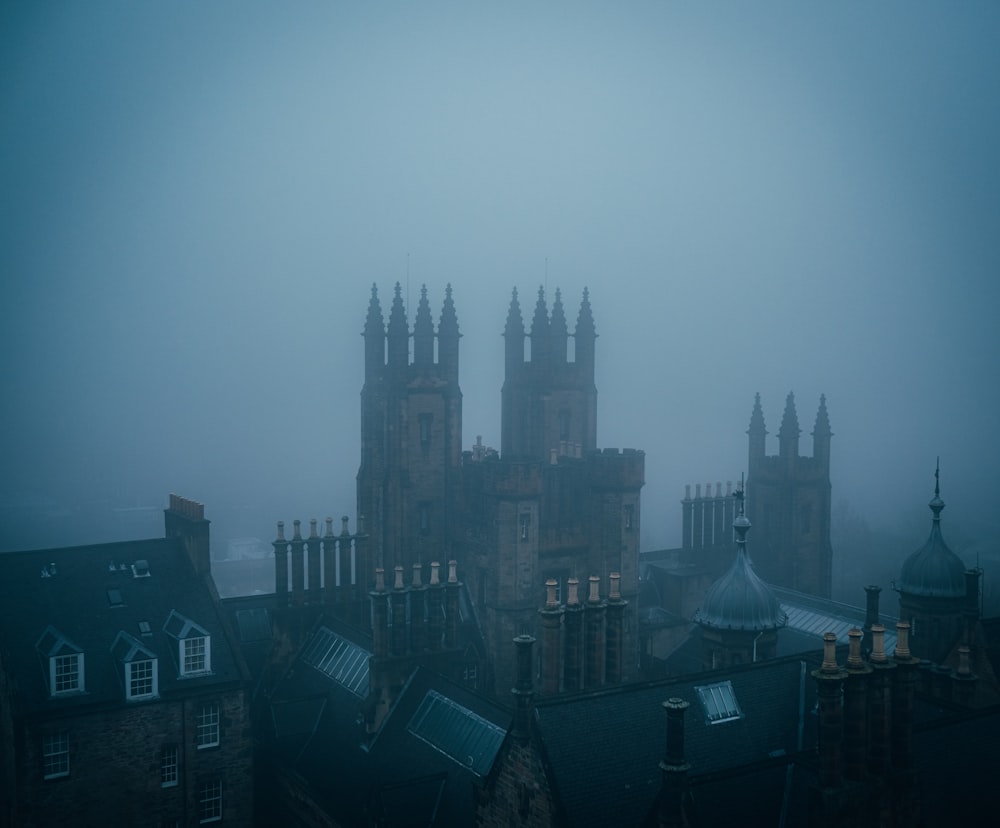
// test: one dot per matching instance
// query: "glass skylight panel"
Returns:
(719, 702)
(343, 661)
(457, 732)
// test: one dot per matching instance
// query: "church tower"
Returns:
(411, 433)
(788, 500)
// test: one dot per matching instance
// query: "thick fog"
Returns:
(196, 199)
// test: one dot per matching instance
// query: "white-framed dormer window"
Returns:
(139, 667)
(64, 661)
(194, 645)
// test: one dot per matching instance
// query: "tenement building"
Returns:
(121, 689)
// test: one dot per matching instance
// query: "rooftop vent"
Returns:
(115, 598)
(140, 569)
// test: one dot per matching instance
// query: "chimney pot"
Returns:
(687, 491)
(829, 664)
(312, 529)
(416, 575)
(878, 655)
(854, 661)
(379, 579)
(550, 594)
(902, 640)
(595, 590)
(964, 667)
(343, 526)
(615, 592)
(453, 571)
(572, 598)
(398, 583)
(435, 573)
(297, 535)
(281, 530)
(329, 528)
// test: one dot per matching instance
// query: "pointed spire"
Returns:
(559, 331)
(423, 331)
(790, 420)
(822, 426)
(374, 323)
(937, 504)
(515, 323)
(585, 320)
(448, 326)
(399, 333)
(757, 418)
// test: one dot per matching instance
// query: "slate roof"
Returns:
(809, 616)
(317, 732)
(89, 603)
(598, 784)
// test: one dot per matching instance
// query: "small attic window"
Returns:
(65, 663)
(144, 628)
(719, 702)
(115, 598)
(140, 569)
(194, 654)
(139, 666)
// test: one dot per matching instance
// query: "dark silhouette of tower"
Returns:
(409, 481)
(788, 502)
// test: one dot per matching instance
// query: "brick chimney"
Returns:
(963, 678)
(418, 613)
(871, 616)
(313, 545)
(879, 704)
(673, 768)
(329, 563)
(594, 620)
(615, 631)
(380, 615)
(523, 690)
(551, 615)
(904, 685)
(574, 637)
(856, 710)
(451, 606)
(185, 519)
(399, 597)
(435, 609)
(298, 565)
(344, 554)
(281, 566)
(829, 682)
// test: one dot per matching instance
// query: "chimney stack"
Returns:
(829, 682)
(615, 631)
(523, 691)
(856, 709)
(574, 637)
(451, 606)
(281, 566)
(903, 692)
(313, 547)
(594, 634)
(298, 565)
(551, 615)
(673, 767)
(399, 596)
(879, 704)
(871, 615)
(329, 564)
(435, 608)
(185, 519)
(380, 612)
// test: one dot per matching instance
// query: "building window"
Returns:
(629, 516)
(207, 725)
(169, 766)
(55, 755)
(525, 522)
(66, 673)
(195, 644)
(425, 430)
(142, 679)
(210, 800)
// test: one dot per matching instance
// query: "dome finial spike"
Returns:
(937, 478)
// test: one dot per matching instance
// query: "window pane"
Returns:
(210, 800)
(194, 655)
(55, 753)
(141, 679)
(67, 673)
(168, 766)
(207, 725)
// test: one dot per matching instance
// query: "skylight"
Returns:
(343, 661)
(457, 732)
(719, 702)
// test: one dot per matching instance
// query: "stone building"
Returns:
(122, 689)
(788, 502)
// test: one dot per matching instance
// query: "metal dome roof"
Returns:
(933, 570)
(740, 600)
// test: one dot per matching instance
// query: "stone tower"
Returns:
(411, 434)
(788, 501)
(552, 506)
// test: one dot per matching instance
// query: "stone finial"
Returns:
(829, 664)
(687, 491)
(398, 582)
(615, 591)
(435, 573)
(572, 596)
(595, 590)
(329, 528)
(902, 640)
(550, 594)
(312, 529)
(379, 579)
(343, 525)
(281, 530)
(417, 569)
(452, 571)
(854, 661)
(297, 534)
(878, 655)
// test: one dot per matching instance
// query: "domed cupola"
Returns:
(740, 600)
(933, 570)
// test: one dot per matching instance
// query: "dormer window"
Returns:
(139, 666)
(65, 663)
(194, 645)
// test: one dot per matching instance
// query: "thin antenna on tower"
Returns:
(407, 283)
(546, 274)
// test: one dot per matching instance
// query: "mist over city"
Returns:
(766, 198)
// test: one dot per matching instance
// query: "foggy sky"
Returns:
(772, 197)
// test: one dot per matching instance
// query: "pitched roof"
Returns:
(89, 595)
